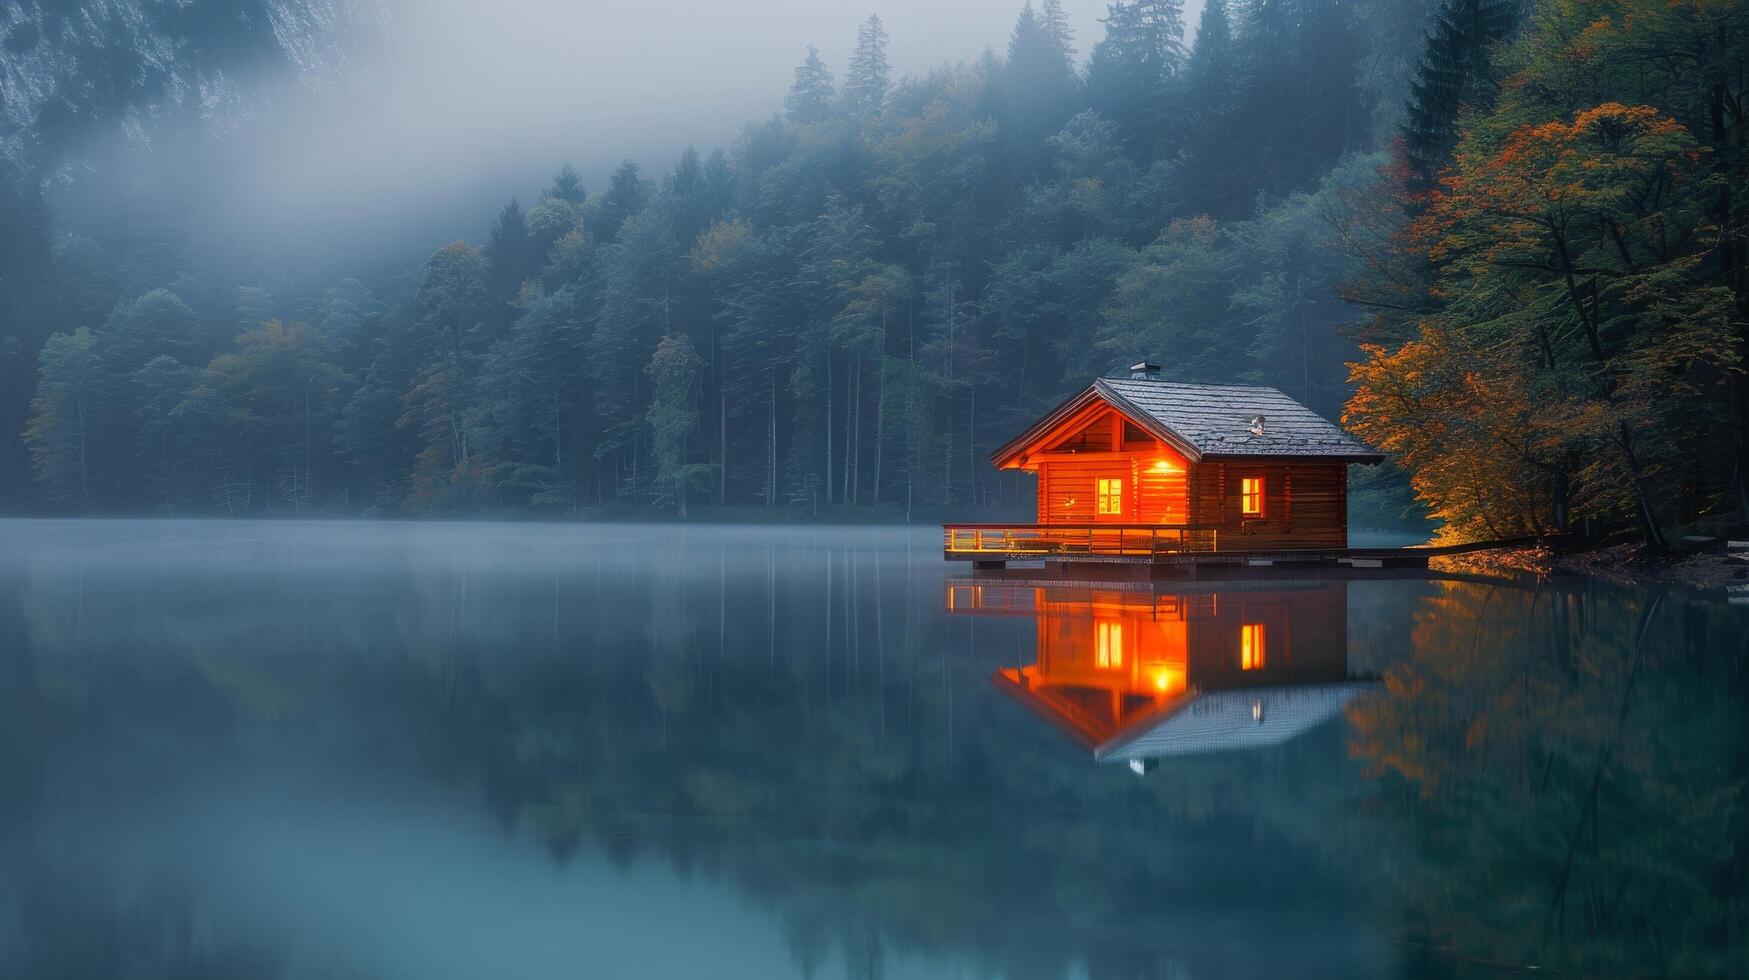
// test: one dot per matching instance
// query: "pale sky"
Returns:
(469, 101)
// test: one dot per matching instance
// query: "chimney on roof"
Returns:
(1144, 371)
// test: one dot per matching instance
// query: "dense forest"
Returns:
(1505, 241)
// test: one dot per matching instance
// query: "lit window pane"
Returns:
(1251, 496)
(1251, 646)
(1110, 497)
(1109, 650)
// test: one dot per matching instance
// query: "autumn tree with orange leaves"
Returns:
(1582, 324)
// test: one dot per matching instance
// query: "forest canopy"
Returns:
(1504, 240)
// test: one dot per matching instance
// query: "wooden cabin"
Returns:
(1140, 468)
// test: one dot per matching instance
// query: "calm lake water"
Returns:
(266, 750)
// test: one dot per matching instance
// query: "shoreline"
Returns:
(1625, 564)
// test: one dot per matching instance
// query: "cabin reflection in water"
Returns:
(1141, 675)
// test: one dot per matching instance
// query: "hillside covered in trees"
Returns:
(1522, 226)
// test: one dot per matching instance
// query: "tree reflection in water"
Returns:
(1570, 764)
(1544, 775)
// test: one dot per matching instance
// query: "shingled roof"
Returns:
(1210, 421)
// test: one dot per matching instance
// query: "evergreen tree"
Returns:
(627, 193)
(1057, 29)
(1210, 103)
(1037, 89)
(528, 407)
(1131, 70)
(672, 419)
(157, 324)
(509, 253)
(368, 435)
(567, 186)
(281, 393)
(813, 93)
(62, 415)
(1456, 74)
(165, 384)
(636, 306)
(449, 336)
(868, 78)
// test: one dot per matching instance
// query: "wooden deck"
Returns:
(1185, 548)
(1097, 542)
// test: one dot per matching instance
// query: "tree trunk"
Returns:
(874, 496)
(972, 445)
(1642, 499)
(558, 435)
(1561, 501)
(722, 446)
(854, 461)
(771, 449)
(828, 475)
(947, 464)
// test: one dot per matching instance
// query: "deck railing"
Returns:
(1021, 541)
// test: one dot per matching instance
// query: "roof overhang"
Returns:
(1098, 393)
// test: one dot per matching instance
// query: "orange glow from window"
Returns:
(1251, 646)
(1251, 496)
(1109, 650)
(1110, 497)
(1161, 466)
(1166, 678)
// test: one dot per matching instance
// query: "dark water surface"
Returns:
(242, 750)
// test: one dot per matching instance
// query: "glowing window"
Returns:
(1110, 497)
(1251, 646)
(1251, 496)
(1109, 650)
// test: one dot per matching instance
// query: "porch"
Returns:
(1104, 541)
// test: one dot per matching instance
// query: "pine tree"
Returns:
(62, 414)
(528, 390)
(692, 194)
(1456, 74)
(627, 193)
(869, 77)
(672, 418)
(1130, 71)
(1210, 99)
(1056, 27)
(637, 300)
(1038, 89)
(449, 338)
(509, 251)
(812, 93)
(568, 186)
(367, 434)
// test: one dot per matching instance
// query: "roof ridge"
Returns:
(1197, 384)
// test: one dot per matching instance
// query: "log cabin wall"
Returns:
(1066, 487)
(1153, 494)
(1305, 503)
